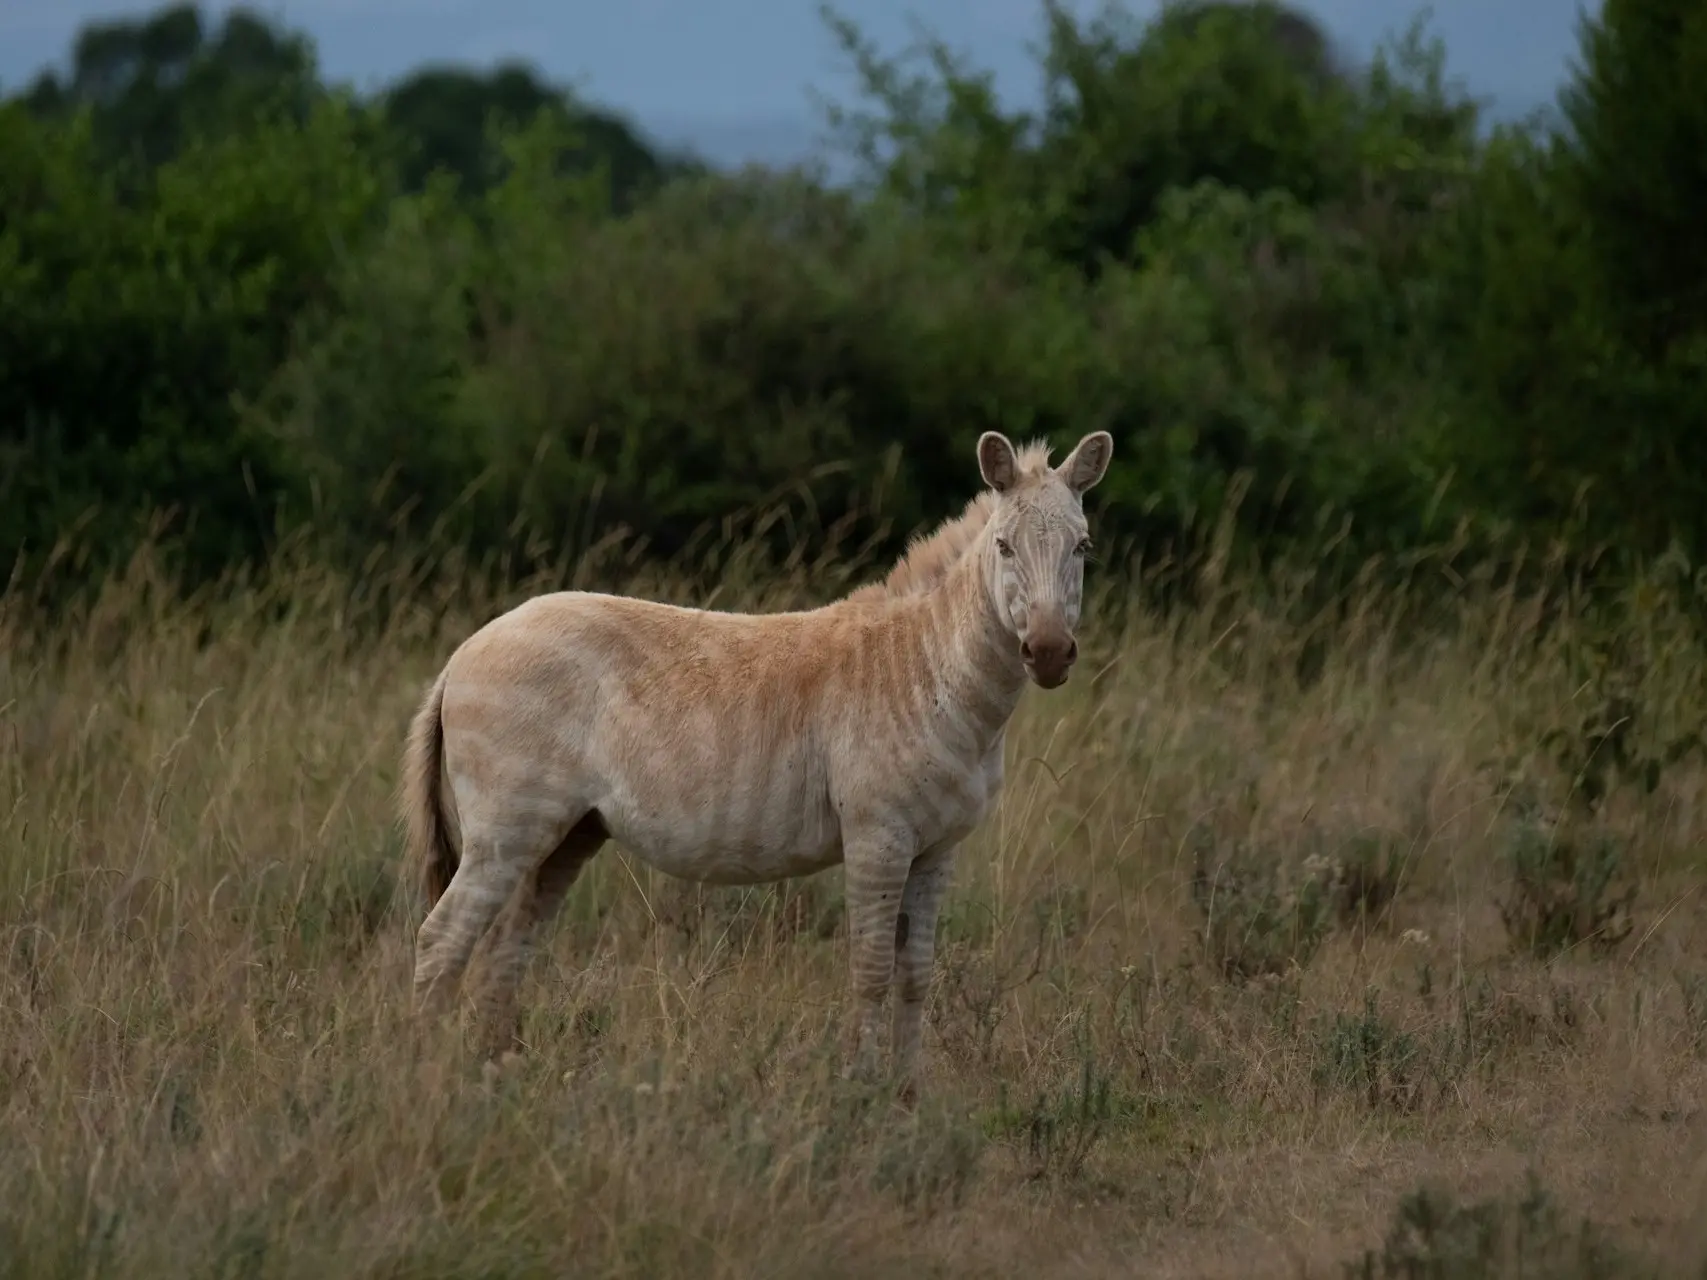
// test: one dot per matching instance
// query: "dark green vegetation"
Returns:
(1319, 305)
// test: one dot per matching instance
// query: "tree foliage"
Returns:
(154, 85)
(446, 117)
(1321, 305)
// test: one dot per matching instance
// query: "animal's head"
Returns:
(1039, 539)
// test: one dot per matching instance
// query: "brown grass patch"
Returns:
(1233, 972)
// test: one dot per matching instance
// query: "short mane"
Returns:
(929, 557)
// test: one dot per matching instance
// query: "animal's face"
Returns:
(1040, 539)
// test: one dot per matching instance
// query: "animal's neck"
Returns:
(975, 656)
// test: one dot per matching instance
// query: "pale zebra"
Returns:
(741, 748)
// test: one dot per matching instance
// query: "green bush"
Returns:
(1319, 308)
(133, 329)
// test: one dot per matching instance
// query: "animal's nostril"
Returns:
(1072, 650)
(1025, 650)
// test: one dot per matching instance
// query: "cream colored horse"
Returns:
(739, 748)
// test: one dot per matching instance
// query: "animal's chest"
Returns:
(942, 802)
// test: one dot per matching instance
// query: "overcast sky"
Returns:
(734, 78)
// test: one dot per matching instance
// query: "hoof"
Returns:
(503, 1066)
(860, 1071)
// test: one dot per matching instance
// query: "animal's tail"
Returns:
(430, 846)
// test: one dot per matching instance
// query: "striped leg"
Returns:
(915, 955)
(489, 875)
(876, 876)
(511, 938)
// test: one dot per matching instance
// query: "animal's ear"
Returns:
(1088, 463)
(996, 461)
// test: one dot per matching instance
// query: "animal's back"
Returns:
(695, 735)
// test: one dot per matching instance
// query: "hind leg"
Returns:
(493, 868)
(511, 939)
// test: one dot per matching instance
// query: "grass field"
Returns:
(1282, 931)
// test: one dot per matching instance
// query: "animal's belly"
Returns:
(728, 843)
(714, 860)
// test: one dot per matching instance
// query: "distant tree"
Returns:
(442, 117)
(1632, 172)
(1246, 95)
(1636, 166)
(1241, 94)
(1290, 32)
(157, 83)
(1576, 296)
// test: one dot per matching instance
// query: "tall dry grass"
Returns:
(1281, 918)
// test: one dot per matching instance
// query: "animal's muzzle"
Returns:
(1048, 657)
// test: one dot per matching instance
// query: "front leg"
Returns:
(915, 956)
(876, 862)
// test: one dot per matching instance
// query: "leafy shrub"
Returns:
(1261, 915)
(1434, 1235)
(1562, 892)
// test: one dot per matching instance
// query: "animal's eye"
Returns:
(1005, 547)
(1084, 547)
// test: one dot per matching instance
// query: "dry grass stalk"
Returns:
(207, 1063)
